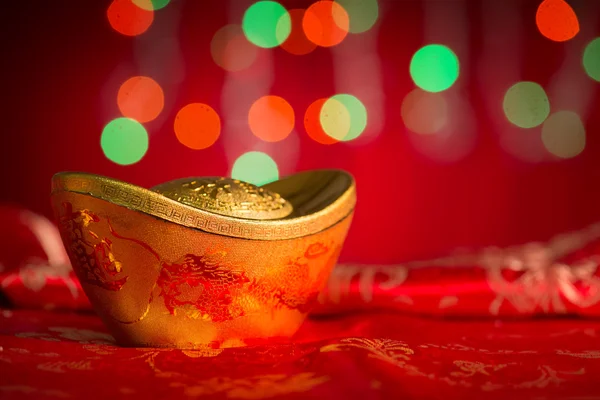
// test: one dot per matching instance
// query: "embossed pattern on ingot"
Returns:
(226, 196)
(156, 283)
(155, 204)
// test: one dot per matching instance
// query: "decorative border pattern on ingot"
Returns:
(155, 204)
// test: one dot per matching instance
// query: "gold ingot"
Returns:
(203, 262)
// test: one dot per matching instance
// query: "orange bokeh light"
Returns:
(271, 118)
(128, 19)
(326, 23)
(197, 126)
(297, 43)
(140, 98)
(312, 123)
(556, 20)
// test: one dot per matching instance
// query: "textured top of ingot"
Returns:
(227, 196)
(314, 201)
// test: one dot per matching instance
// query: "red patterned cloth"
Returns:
(373, 356)
(52, 345)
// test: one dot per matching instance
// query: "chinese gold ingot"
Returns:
(203, 262)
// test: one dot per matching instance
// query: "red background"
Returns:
(63, 65)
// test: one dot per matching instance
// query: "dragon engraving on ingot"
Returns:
(198, 286)
(226, 196)
(92, 257)
(296, 291)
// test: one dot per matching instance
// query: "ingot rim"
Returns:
(155, 204)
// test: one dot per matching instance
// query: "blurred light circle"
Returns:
(556, 20)
(591, 59)
(362, 14)
(271, 118)
(335, 119)
(563, 134)
(129, 19)
(124, 141)
(255, 167)
(140, 98)
(197, 126)
(231, 50)
(326, 23)
(424, 112)
(267, 24)
(357, 112)
(526, 104)
(434, 68)
(312, 123)
(297, 43)
(151, 5)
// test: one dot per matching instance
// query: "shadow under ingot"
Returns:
(203, 261)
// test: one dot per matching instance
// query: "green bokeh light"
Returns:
(591, 59)
(124, 141)
(526, 104)
(363, 14)
(151, 5)
(255, 167)
(350, 117)
(434, 68)
(267, 24)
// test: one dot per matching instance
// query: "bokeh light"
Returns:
(255, 167)
(335, 119)
(526, 104)
(434, 68)
(591, 59)
(424, 112)
(267, 24)
(556, 20)
(563, 134)
(326, 23)
(362, 13)
(127, 18)
(231, 50)
(151, 5)
(140, 98)
(356, 111)
(297, 43)
(124, 141)
(197, 126)
(312, 123)
(271, 118)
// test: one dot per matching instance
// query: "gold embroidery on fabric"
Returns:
(100, 349)
(341, 279)
(388, 350)
(258, 387)
(593, 354)
(460, 347)
(470, 368)
(548, 376)
(544, 281)
(63, 366)
(205, 352)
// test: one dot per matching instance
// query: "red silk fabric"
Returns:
(49, 355)
(52, 345)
